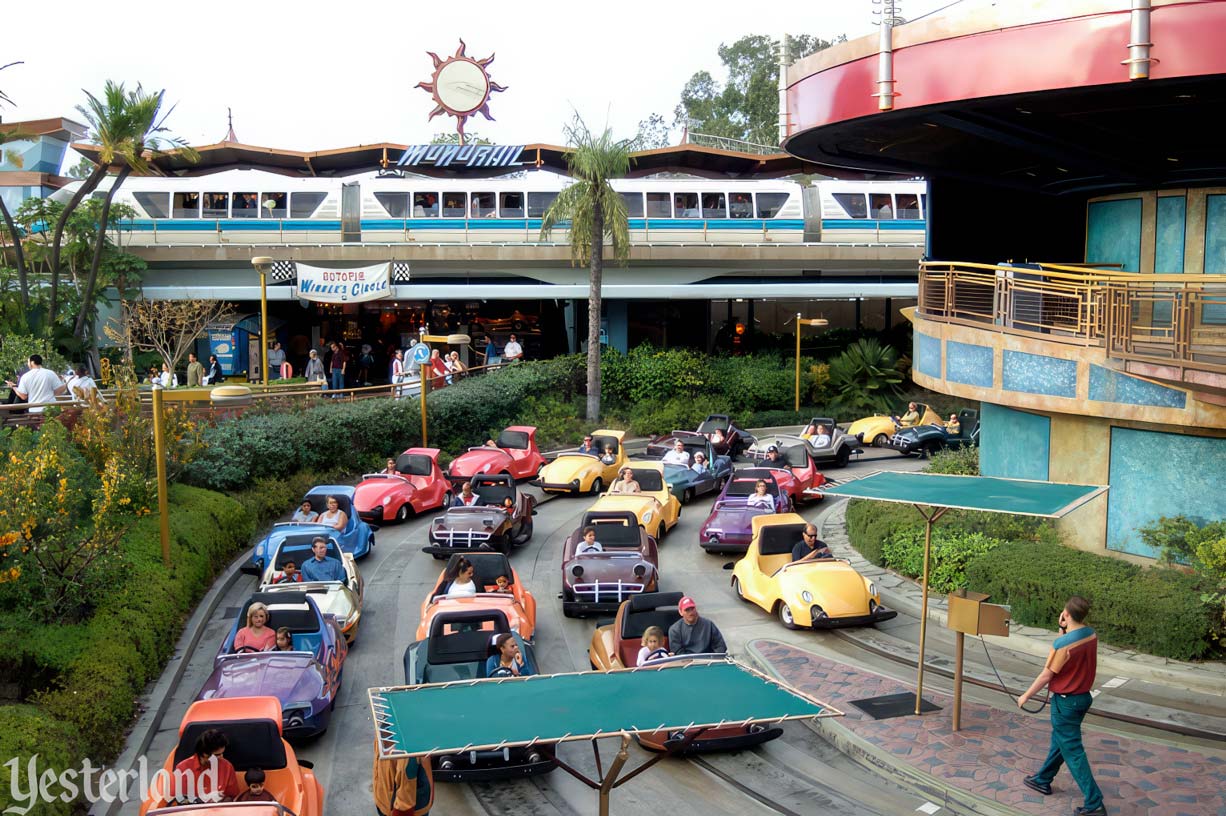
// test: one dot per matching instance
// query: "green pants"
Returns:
(1067, 712)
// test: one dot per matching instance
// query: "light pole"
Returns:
(159, 452)
(263, 264)
(816, 321)
(449, 339)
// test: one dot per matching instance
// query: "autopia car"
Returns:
(573, 472)
(598, 581)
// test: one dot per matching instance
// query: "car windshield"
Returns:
(747, 487)
(649, 480)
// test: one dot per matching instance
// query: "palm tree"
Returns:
(19, 257)
(594, 211)
(128, 127)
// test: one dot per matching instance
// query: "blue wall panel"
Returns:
(1160, 474)
(1113, 234)
(1169, 235)
(1107, 385)
(1013, 444)
(1039, 374)
(969, 364)
(928, 355)
(1215, 252)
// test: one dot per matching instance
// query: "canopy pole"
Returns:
(606, 783)
(929, 520)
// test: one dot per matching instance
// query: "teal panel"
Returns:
(1215, 251)
(1156, 474)
(1169, 235)
(1113, 233)
(986, 493)
(1039, 374)
(928, 355)
(967, 363)
(1107, 385)
(1013, 444)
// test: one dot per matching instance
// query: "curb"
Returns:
(882, 763)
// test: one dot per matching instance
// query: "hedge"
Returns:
(26, 730)
(952, 550)
(1156, 610)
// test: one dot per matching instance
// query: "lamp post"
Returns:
(449, 339)
(159, 452)
(263, 264)
(816, 321)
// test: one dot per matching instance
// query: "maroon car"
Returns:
(623, 563)
(487, 525)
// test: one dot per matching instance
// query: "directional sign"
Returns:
(421, 353)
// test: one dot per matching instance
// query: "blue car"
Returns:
(357, 538)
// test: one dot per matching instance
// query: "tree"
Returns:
(168, 327)
(81, 169)
(653, 133)
(10, 228)
(866, 377)
(746, 107)
(594, 211)
(3, 96)
(454, 138)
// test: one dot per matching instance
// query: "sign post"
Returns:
(969, 615)
(421, 356)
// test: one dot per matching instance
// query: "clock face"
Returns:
(462, 86)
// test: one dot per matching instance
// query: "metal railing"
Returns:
(1175, 320)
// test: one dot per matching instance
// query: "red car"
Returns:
(417, 486)
(514, 452)
(793, 468)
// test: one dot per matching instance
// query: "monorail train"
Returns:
(259, 207)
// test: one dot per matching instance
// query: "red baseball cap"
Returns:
(686, 603)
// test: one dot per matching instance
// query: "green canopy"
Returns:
(986, 493)
(476, 714)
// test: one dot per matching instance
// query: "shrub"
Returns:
(1156, 610)
(1183, 541)
(25, 731)
(15, 351)
(268, 499)
(865, 377)
(963, 461)
(558, 422)
(951, 551)
(651, 418)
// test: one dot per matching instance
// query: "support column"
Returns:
(568, 319)
(616, 312)
(749, 325)
(889, 313)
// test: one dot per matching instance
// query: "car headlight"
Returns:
(669, 485)
(387, 499)
(872, 589)
(806, 596)
(647, 516)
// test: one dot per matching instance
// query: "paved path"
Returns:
(982, 766)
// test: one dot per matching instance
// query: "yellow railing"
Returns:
(1167, 319)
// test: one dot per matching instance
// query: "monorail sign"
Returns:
(449, 155)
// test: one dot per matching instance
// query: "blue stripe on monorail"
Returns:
(914, 224)
(445, 224)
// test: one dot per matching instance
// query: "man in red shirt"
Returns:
(340, 359)
(1069, 676)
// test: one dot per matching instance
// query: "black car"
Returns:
(926, 440)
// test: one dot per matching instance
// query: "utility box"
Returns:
(970, 615)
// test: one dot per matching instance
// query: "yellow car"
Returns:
(656, 508)
(574, 472)
(820, 593)
(877, 429)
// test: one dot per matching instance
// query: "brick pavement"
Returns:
(997, 747)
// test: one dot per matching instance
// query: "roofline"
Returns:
(55, 126)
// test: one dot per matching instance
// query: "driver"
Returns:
(810, 547)
(506, 658)
(589, 544)
(588, 446)
(694, 635)
(467, 497)
(625, 482)
(912, 417)
(822, 438)
(678, 455)
(390, 470)
(772, 456)
(953, 427)
(320, 567)
(653, 646)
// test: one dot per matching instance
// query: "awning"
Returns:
(988, 494)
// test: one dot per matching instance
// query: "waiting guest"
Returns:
(195, 371)
(276, 359)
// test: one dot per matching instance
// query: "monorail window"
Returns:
(659, 205)
(396, 204)
(713, 206)
(155, 205)
(425, 205)
(881, 205)
(511, 205)
(852, 204)
(216, 205)
(634, 204)
(186, 205)
(685, 205)
(246, 205)
(769, 204)
(304, 205)
(483, 205)
(741, 205)
(908, 205)
(453, 205)
(272, 205)
(538, 203)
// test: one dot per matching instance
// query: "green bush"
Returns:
(651, 418)
(961, 462)
(559, 422)
(951, 551)
(268, 499)
(1157, 610)
(15, 351)
(24, 731)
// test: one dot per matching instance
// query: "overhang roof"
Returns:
(984, 493)
(58, 128)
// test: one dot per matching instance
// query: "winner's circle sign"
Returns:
(353, 285)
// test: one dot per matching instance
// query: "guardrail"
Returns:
(1175, 320)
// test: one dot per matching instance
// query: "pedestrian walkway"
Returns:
(980, 768)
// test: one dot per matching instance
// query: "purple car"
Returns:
(305, 680)
(727, 529)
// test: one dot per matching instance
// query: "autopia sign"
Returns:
(354, 285)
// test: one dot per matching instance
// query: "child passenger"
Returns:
(653, 645)
(255, 788)
(502, 584)
(285, 640)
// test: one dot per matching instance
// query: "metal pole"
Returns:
(960, 644)
(421, 381)
(919, 680)
(264, 328)
(796, 407)
(159, 452)
(606, 784)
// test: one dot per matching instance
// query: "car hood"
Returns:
(339, 601)
(490, 460)
(462, 518)
(565, 468)
(732, 519)
(289, 676)
(861, 425)
(370, 493)
(517, 617)
(608, 567)
(835, 586)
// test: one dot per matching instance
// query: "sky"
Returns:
(312, 75)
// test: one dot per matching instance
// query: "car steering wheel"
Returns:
(502, 671)
(246, 650)
(656, 654)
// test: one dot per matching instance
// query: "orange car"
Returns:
(253, 728)
(516, 602)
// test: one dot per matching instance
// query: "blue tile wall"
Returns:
(1013, 444)
(1157, 474)
(1038, 374)
(1107, 385)
(1113, 233)
(969, 364)
(1169, 235)
(928, 355)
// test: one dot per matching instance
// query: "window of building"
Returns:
(634, 204)
(425, 205)
(685, 205)
(454, 205)
(396, 204)
(273, 205)
(659, 205)
(155, 205)
(511, 205)
(216, 205)
(769, 204)
(713, 206)
(304, 205)
(483, 205)
(246, 205)
(740, 205)
(186, 205)
(908, 205)
(538, 203)
(881, 205)
(852, 204)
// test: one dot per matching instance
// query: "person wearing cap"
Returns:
(693, 634)
(810, 546)
(678, 455)
(772, 454)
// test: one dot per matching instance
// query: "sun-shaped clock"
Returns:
(461, 86)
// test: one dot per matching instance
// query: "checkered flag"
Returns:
(283, 271)
(400, 271)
